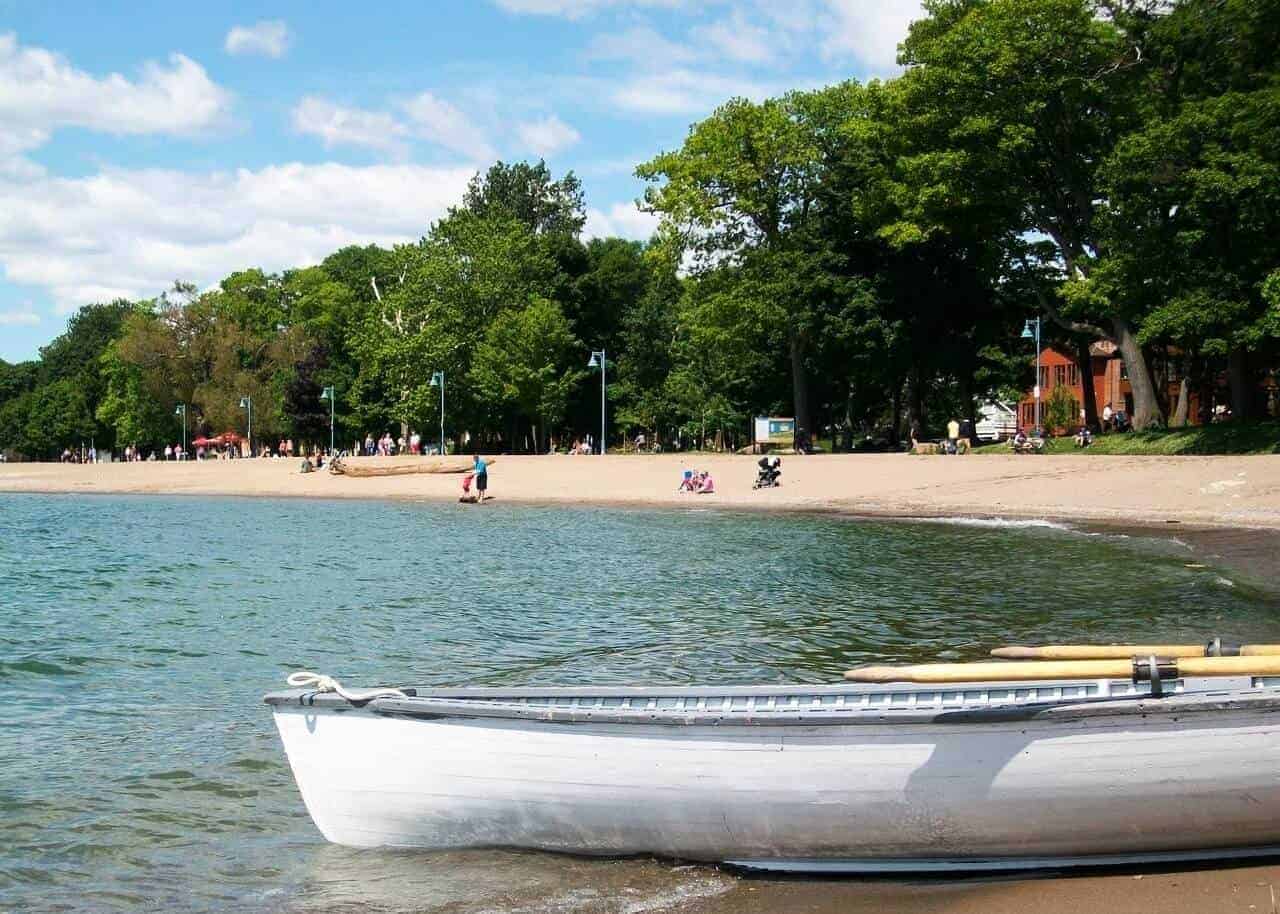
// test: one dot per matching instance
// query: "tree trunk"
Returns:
(965, 383)
(1146, 409)
(915, 406)
(1160, 379)
(895, 420)
(799, 385)
(1084, 365)
(1238, 378)
(1179, 417)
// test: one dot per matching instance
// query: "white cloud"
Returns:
(739, 40)
(640, 45)
(22, 316)
(623, 220)
(869, 32)
(41, 91)
(337, 125)
(269, 38)
(682, 91)
(129, 233)
(443, 124)
(547, 136)
(576, 9)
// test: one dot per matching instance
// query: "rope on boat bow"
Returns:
(321, 683)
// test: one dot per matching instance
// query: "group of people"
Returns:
(696, 482)
(1022, 444)
(387, 446)
(81, 456)
(478, 476)
(582, 446)
(1115, 420)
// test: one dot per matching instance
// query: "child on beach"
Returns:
(466, 488)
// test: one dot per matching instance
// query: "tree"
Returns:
(132, 407)
(525, 363)
(1020, 102)
(527, 193)
(437, 306)
(739, 188)
(76, 354)
(59, 418)
(1192, 195)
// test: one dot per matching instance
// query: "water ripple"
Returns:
(139, 769)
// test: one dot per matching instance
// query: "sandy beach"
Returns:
(1237, 492)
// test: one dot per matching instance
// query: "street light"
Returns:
(181, 410)
(597, 360)
(247, 403)
(327, 394)
(1026, 335)
(437, 380)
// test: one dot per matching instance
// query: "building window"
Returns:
(1059, 374)
(1044, 376)
(1073, 375)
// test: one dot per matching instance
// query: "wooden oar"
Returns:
(1064, 669)
(1214, 648)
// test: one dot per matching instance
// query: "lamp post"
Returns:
(247, 403)
(437, 380)
(597, 360)
(1026, 335)
(327, 394)
(181, 410)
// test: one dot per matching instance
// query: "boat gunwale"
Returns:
(436, 706)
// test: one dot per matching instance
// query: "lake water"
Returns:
(140, 770)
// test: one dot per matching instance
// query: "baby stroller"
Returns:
(769, 475)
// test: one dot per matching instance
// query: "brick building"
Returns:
(1057, 368)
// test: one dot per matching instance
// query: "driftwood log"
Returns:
(400, 466)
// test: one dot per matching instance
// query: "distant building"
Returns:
(1110, 382)
(1057, 368)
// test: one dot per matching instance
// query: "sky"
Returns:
(143, 143)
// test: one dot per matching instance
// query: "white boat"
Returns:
(842, 778)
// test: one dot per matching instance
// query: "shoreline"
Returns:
(1226, 510)
(1156, 492)
(1150, 492)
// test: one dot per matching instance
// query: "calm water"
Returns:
(140, 771)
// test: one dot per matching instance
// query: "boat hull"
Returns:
(1013, 790)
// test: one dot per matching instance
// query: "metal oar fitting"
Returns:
(1219, 648)
(1154, 670)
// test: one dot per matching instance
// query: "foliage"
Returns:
(521, 365)
(860, 256)
(1061, 410)
(1216, 438)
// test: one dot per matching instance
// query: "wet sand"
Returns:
(1211, 891)
(1226, 510)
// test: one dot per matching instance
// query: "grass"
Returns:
(1222, 438)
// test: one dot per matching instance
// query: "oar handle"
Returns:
(1215, 648)
(1261, 665)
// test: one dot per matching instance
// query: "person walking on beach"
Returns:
(481, 470)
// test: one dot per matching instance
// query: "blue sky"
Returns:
(143, 143)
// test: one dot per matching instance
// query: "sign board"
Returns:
(776, 431)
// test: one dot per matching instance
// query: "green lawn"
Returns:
(1224, 438)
